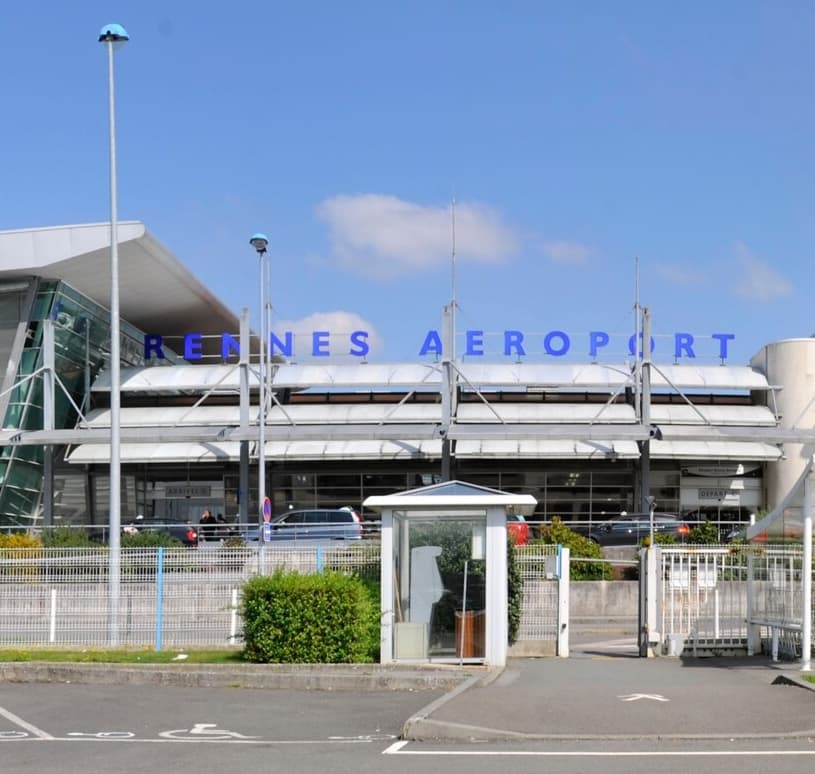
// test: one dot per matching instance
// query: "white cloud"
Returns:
(339, 324)
(386, 236)
(566, 252)
(757, 278)
(679, 275)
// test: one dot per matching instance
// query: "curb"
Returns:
(793, 679)
(418, 726)
(312, 677)
(422, 728)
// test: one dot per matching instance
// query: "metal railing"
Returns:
(704, 595)
(182, 597)
(718, 597)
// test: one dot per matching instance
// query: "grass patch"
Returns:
(141, 656)
(810, 678)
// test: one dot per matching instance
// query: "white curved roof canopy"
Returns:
(155, 284)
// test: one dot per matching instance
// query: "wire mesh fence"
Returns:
(167, 597)
(537, 565)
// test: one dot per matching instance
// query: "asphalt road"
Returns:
(82, 729)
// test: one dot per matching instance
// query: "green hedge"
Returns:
(328, 618)
(581, 549)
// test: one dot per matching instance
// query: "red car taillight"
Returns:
(192, 535)
(683, 530)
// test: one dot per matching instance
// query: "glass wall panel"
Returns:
(440, 586)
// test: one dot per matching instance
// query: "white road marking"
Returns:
(398, 749)
(205, 730)
(638, 696)
(104, 734)
(38, 732)
(363, 738)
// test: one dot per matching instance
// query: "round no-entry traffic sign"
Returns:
(267, 509)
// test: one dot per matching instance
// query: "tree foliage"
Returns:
(581, 550)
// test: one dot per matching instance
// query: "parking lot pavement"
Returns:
(623, 698)
(587, 697)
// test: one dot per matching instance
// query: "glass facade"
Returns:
(81, 351)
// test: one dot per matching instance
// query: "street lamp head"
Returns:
(113, 33)
(260, 242)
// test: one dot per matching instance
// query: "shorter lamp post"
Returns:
(260, 242)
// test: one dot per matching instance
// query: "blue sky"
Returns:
(578, 139)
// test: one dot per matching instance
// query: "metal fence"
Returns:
(720, 597)
(539, 610)
(168, 598)
(178, 597)
(776, 612)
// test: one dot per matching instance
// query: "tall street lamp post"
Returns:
(114, 36)
(260, 242)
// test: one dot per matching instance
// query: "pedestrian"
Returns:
(208, 524)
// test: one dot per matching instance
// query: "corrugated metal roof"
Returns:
(688, 377)
(185, 378)
(552, 375)
(683, 414)
(547, 449)
(714, 450)
(546, 412)
(298, 414)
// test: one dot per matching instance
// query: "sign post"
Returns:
(267, 517)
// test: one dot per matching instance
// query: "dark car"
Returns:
(314, 524)
(182, 531)
(630, 529)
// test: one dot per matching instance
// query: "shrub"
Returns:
(19, 546)
(68, 537)
(557, 533)
(291, 618)
(19, 540)
(707, 533)
(515, 589)
(149, 539)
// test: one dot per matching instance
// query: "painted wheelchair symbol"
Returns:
(204, 732)
(103, 734)
(12, 735)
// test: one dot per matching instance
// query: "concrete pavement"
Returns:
(592, 698)
(585, 697)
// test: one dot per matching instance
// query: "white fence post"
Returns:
(52, 628)
(806, 579)
(563, 603)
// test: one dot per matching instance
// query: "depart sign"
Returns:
(513, 343)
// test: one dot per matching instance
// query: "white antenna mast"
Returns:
(453, 282)
(639, 347)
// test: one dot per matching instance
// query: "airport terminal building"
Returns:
(710, 442)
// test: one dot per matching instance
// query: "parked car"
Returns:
(518, 529)
(629, 529)
(176, 528)
(314, 524)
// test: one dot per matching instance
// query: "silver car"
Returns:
(314, 524)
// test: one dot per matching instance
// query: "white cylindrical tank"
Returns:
(789, 364)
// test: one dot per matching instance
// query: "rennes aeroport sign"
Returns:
(515, 344)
